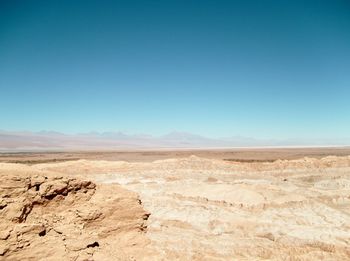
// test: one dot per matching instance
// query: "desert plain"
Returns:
(242, 204)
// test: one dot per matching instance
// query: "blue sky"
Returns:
(264, 69)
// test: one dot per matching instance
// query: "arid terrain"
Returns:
(149, 155)
(254, 204)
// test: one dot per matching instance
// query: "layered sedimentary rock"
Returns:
(54, 217)
(201, 209)
(205, 209)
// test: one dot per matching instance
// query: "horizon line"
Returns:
(126, 133)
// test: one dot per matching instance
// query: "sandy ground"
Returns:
(211, 209)
(242, 155)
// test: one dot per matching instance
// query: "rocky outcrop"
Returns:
(202, 209)
(50, 217)
(205, 209)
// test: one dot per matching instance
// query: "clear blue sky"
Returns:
(265, 69)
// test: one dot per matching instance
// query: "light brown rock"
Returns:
(55, 217)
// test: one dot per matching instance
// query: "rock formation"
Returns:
(55, 217)
(204, 209)
(201, 209)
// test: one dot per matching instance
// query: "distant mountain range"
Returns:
(50, 140)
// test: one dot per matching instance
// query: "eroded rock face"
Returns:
(48, 217)
(202, 209)
(205, 209)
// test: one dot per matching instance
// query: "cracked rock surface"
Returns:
(205, 209)
(47, 216)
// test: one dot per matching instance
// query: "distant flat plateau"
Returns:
(240, 155)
